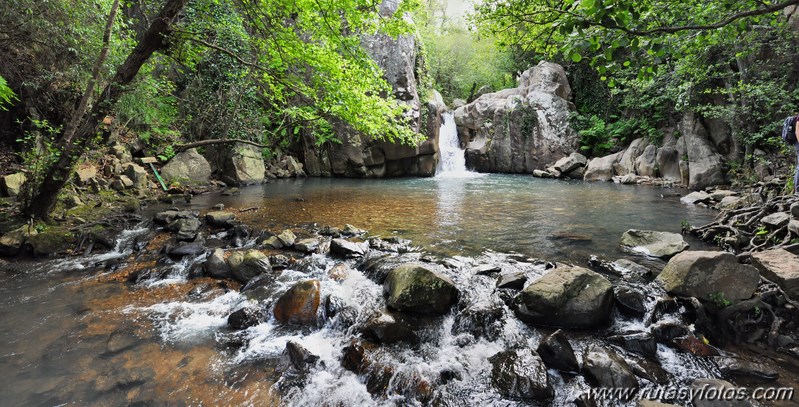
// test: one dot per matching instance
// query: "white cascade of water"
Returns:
(452, 160)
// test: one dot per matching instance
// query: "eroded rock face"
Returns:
(567, 297)
(415, 288)
(359, 156)
(520, 374)
(710, 276)
(704, 163)
(523, 129)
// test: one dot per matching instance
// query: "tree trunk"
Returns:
(57, 175)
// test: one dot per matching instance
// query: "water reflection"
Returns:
(541, 218)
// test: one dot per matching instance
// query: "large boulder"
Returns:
(187, 166)
(781, 267)
(652, 243)
(646, 163)
(705, 164)
(244, 266)
(242, 164)
(710, 276)
(520, 374)
(12, 241)
(415, 288)
(668, 163)
(601, 168)
(523, 129)
(567, 297)
(299, 304)
(626, 164)
(568, 164)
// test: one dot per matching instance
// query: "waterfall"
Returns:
(452, 161)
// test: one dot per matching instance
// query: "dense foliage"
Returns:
(728, 60)
(263, 70)
(460, 60)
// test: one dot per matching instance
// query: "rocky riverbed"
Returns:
(206, 304)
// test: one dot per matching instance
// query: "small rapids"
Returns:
(448, 366)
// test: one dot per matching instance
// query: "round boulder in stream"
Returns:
(566, 297)
(709, 276)
(415, 288)
(520, 374)
(299, 304)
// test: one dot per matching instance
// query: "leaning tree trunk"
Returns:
(71, 148)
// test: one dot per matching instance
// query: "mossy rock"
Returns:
(51, 242)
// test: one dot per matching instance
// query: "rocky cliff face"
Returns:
(696, 158)
(359, 156)
(523, 129)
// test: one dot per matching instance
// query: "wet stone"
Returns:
(520, 374)
(557, 352)
(630, 302)
(190, 249)
(298, 305)
(245, 317)
(387, 328)
(307, 245)
(513, 281)
(287, 237)
(485, 269)
(735, 368)
(347, 249)
(665, 332)
(641, 343)
(220, 219)
(416, 288)
(606, 368)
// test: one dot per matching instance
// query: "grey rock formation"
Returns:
(710, 276)
(523, 129)
(187, 166)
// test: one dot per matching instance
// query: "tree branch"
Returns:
(201, 143)
(671, 30)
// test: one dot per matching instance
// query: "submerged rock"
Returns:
(520, 374)
(298, 306)
(651, 243)
(557, 352)
(567, 297)
(415, 288)
(709, 276)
